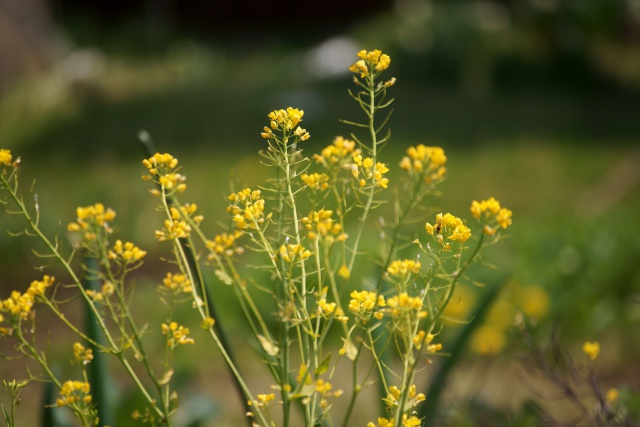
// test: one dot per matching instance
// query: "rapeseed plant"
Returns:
(307, 224)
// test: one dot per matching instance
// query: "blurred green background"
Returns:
(536, 102)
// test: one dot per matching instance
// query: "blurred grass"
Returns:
(544, 154)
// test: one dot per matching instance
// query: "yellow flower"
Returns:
(448, 223)
(402, 270)
(591, 349)
(369, 62)
(82, 354)
(177, 282)
(316, 181)
(177, 335)
(92, 220)
(126, 252)
(533, 301)
(488, 340)
(362, 303)
(5, 157)
(73, 392)
(424, 161)
(491, 214)
(320, 225)
(401, 304)
(337, 154)
(612, 395)
(293, 252)
(344, 272)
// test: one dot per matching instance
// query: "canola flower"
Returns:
(92, 221)
(426, 162)
(491, 215)
(591, 349)
(73, 392)
(247, 210)
(126, 252)
(370, 63)
(286, 122)
(177, 334)
(20, 305)
(445, 224)
(5, 157)
(338, 155)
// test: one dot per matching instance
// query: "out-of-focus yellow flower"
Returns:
(320, 225)
(177, 334)
(21, 304)
(74, 392)
(177, 282)
(339, 154)
(591, 349)
(533, 301)
(424, 161)
(294, 252)
(81, 354)
(488, 340)
(126, 252)
(5, 157)
(92, 220)
(316, 181)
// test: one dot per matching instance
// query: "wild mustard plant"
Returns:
(310, 224)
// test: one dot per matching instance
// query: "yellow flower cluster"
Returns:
(173, 229)
(286, 120)
(369, 170)
(92, 219)
(324, 389)
(126, 252)
(337, 154)
(392, 399)
(316, 181)
(372, 61)
(74, 392)
(319, 224)
(448, 223)
(425, 161)
(224, 243)
(407, 421)
(163, 167)
(5, 157)
(177, 334)
(263, 400)
(591, 349)
(491, 214)
(293, 252)
(253, 212)
(186, 210)
(403, 269)
(177, 283)
(402, 304)
(81, 354)
(20, 304)
(106, 291)
(363, 303)
(419, 339)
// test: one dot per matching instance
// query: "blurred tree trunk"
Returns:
(28, 39)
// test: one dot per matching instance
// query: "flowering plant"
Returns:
(309, 225)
